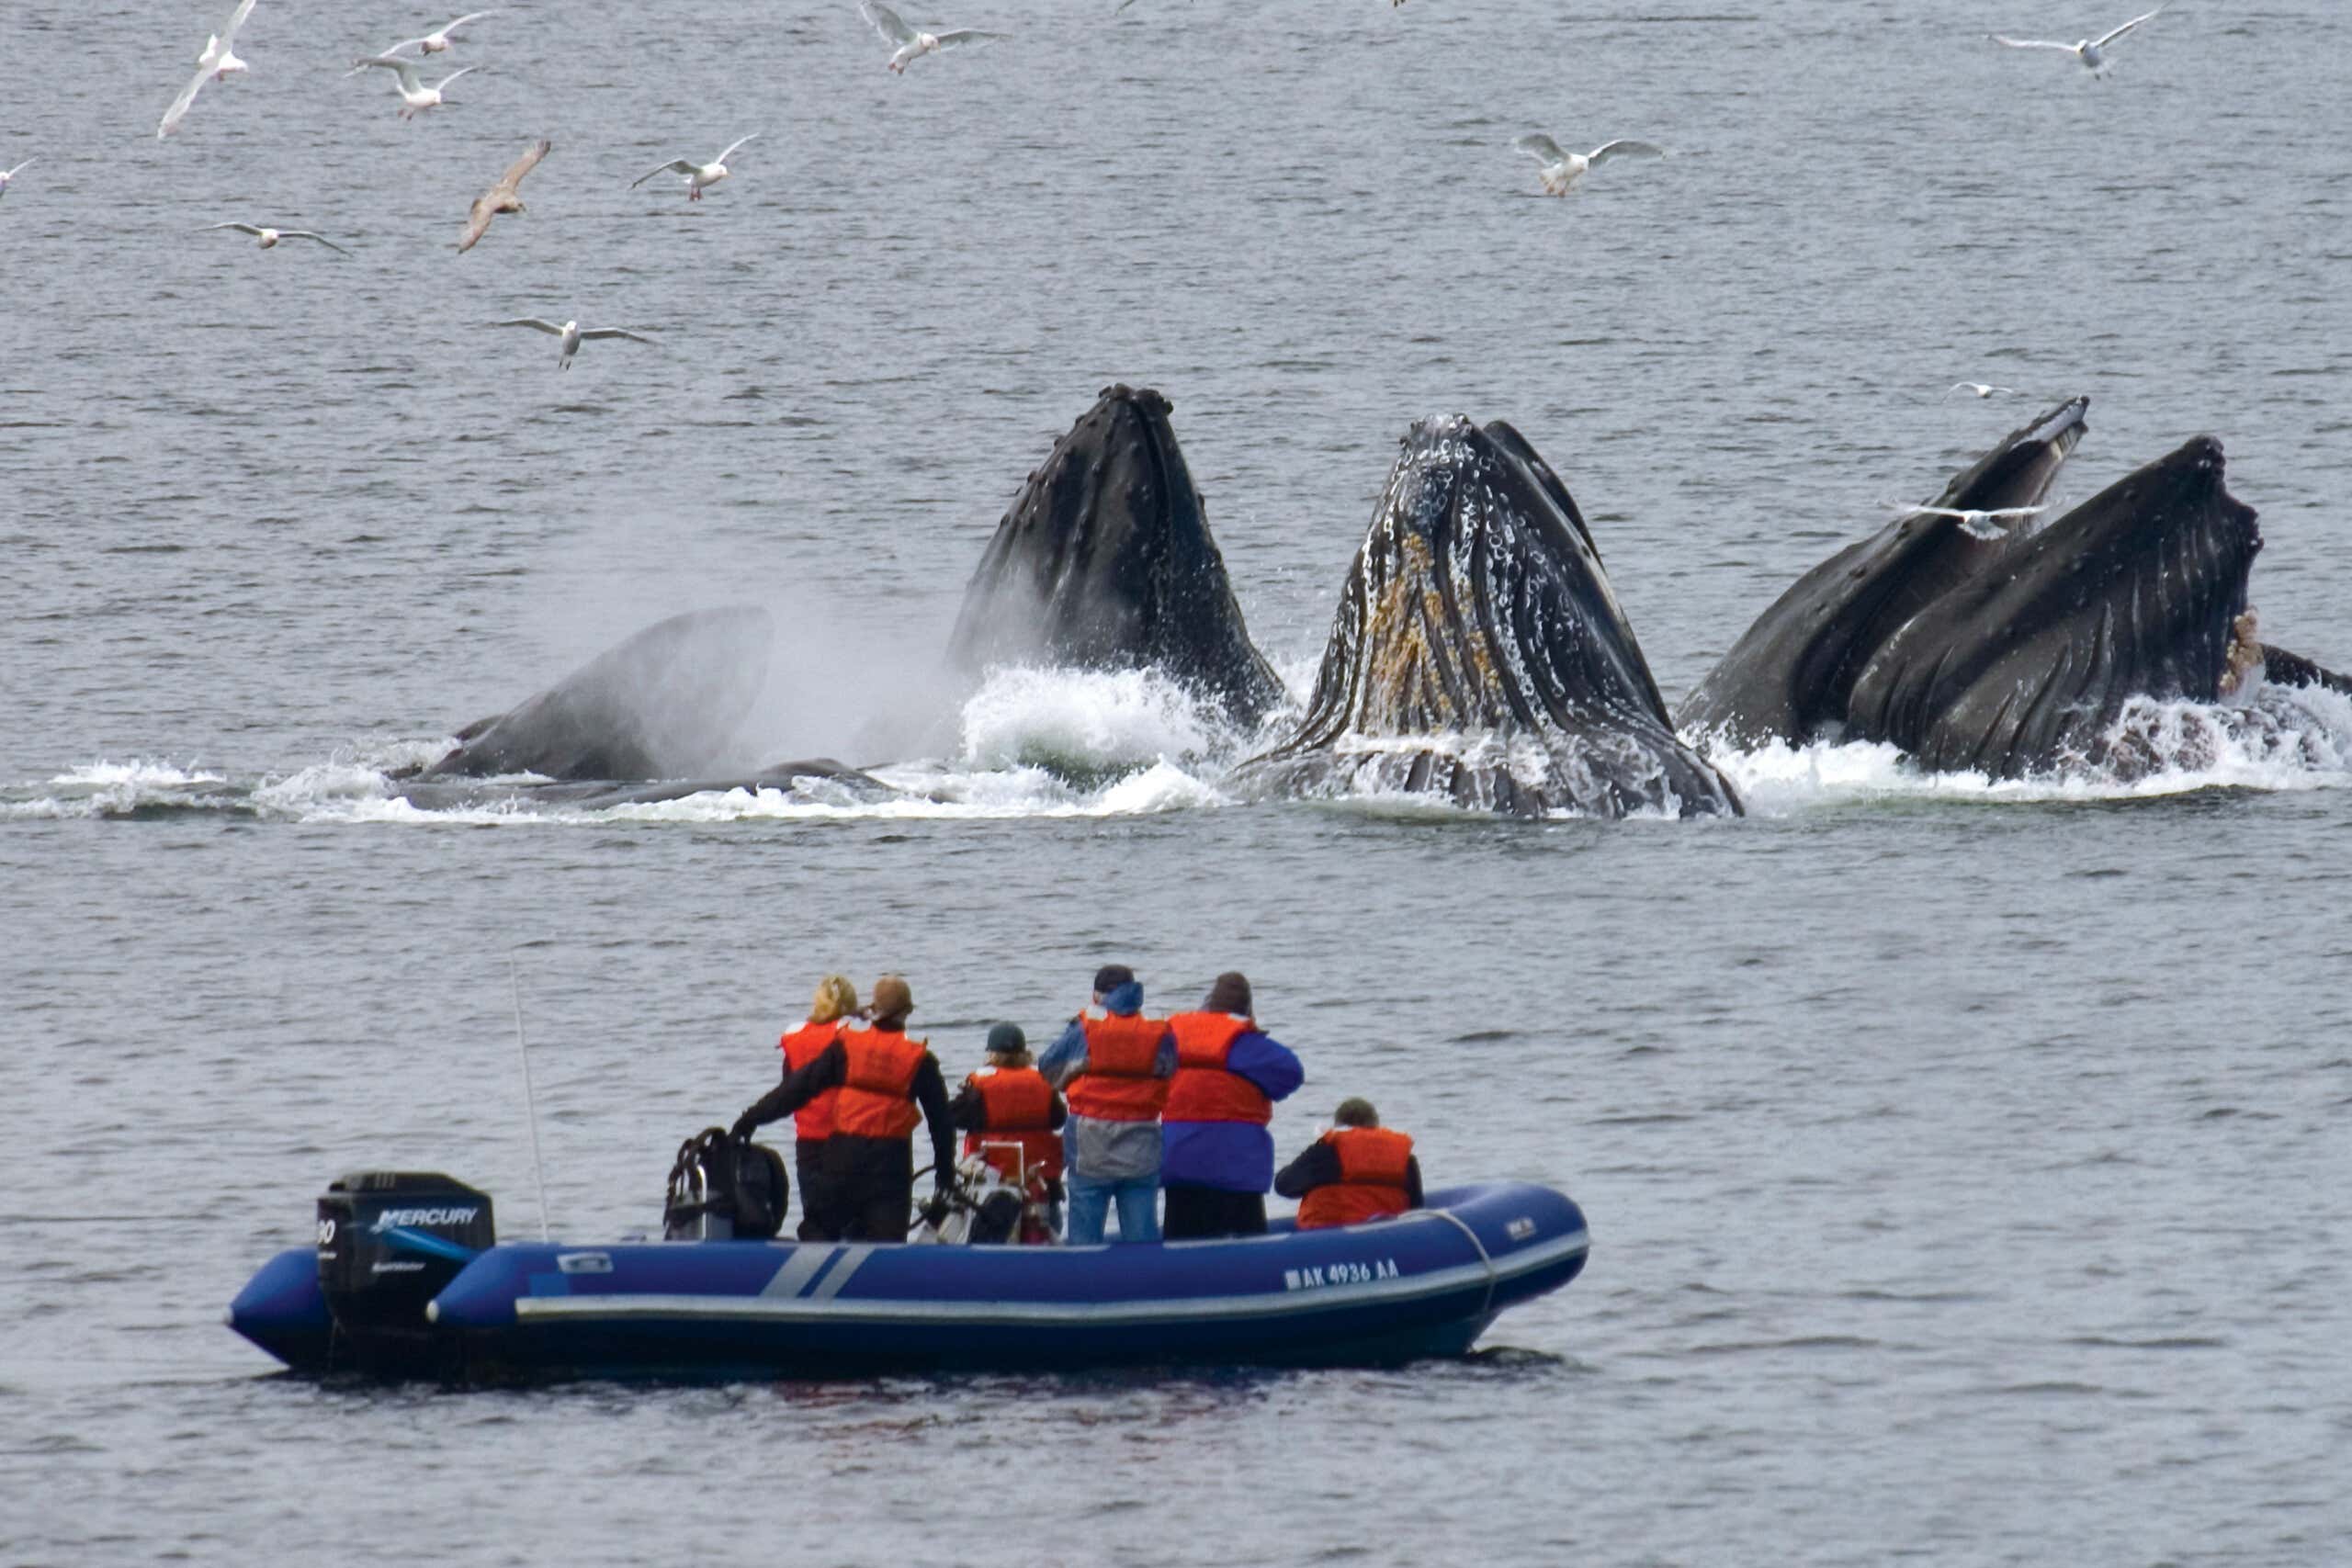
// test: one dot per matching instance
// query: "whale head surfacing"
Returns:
(1479, 654)
(2139, 591)
(1790, 674)
(1105, 561)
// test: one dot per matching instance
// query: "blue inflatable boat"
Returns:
(406, 1282)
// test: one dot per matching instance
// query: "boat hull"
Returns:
(1426, 1283)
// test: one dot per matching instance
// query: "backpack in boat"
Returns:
(720, 1189)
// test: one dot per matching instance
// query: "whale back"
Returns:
(665, 703)
(1105, 561)
(2137, 593)
(1790, 675)
(1479, 652)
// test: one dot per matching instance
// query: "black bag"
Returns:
(721, 1188)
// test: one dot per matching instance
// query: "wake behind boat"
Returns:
(406, 1282)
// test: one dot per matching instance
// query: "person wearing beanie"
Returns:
(835, 1004)
(885, 1076)
(1012, 1117)
(1115, 1063)
(1359, 1170)
(1216, 1158)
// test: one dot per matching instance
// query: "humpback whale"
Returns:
(2139, 591)
(663, 704)
(1105, 561)
(1789, 675)
(2014, 650)
(1479, 653)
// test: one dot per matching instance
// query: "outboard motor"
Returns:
(721, 1191)
(389, 1240)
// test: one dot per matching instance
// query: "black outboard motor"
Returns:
(389, 1240)
(721, 1190)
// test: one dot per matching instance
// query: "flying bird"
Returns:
(438, 41)
(572, 334)
(699, 175)
(1983, 523)
(269, 237)
(1976, 388)
(218, 62)
(1561, 169)
(2090, 52)
(909, 43)
(501, 198)
(415, 96)
(11, 173)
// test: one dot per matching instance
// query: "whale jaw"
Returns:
(1105, 561)
(1479, 655)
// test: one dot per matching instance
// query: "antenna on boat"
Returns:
(530, 1100)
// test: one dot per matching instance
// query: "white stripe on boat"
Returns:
(768, 1307)
(792, 1276)
(830, 1286)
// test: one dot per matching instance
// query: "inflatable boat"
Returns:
(406, 1281)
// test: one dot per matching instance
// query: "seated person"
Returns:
(1357, 1171)
(1012, 1117)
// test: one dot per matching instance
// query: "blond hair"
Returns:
(836, 999)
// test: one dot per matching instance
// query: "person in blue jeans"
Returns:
(1113, 1065)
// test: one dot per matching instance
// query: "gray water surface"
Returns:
(1966, 1166)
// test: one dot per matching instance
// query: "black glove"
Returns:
(743, 1129)
(935, 1211)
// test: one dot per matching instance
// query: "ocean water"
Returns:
(1966, 1162)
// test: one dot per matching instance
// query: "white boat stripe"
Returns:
(851, 1258)
(983, 1312)
(792, 1276)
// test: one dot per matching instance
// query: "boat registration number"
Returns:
(1349, 1273)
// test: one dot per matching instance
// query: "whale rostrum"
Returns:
(1105, 561)
(1479, 654)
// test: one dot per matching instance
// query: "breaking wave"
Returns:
(1051, 743)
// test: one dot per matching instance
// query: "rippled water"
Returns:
(1966, 1164)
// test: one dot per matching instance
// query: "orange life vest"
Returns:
(1121, 1051)
(1020, 1134)
(878, 1086)
(1373, 1164)
(801, 1046)
(1202, 1090)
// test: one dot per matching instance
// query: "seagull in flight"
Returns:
(1976, 388)
(1561, 169)
(438, 41)
(415, 96)
(2090, 52)
(501, 198)
(910, 44)
(218, 62)
(1985, 523)
(699, 175)
(572, 334)
(7, 174)
(269, 237)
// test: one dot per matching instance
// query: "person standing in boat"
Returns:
(1217, 1159)
(835, 1004)
(885, 1077)
(1012, 1117)
(1359, 1170)
(1116, 1065)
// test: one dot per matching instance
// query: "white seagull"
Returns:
(1562, 168)
(2090, 52)
(910, 44)
(572, 334)
(5, 176)
(269, 237)
(415, 96)
(1976, 388)
(699, 175)
(218, 62)
(1985, 523)
(438, 41)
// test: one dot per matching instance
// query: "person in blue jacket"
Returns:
(1216, 1158)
